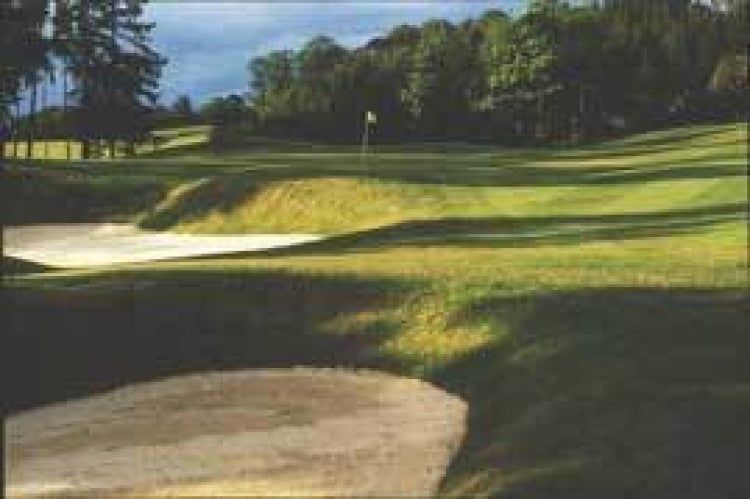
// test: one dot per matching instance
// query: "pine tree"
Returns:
(115, 69)
(23, 54)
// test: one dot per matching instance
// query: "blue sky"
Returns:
(208, 44)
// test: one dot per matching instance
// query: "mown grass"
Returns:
(44, 149)
(338, 193)
(161, 142)
(589, 308)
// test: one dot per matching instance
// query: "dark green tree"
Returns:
(183, 106)
(115, 70)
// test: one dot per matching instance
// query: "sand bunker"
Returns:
(298, 432)
(86, 245)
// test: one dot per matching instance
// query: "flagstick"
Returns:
(365, 138)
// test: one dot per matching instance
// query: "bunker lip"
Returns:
(298, 431)
(89, 245)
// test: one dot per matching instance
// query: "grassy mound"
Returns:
(336, 193)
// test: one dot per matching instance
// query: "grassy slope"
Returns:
(588, 304)
(328, 192)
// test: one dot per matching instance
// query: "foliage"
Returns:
(183, 106)
(232, 121)
(23, 49)
(102, 44)
(556, 73)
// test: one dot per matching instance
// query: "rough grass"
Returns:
(32, 195)
(11, 266)
(588, 304)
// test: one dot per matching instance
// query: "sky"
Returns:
(208, 44)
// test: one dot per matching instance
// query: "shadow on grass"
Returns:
(225, 192)
(612, 393)
(670, 135)
(616, 393)
(652, 143)
(504, 168)
(485, 171)
(39, 195)
(51, 191)
(203, 197)
(638, 144)
(87, 337)
(16, 266)
(522, 231)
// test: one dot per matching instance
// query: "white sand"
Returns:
(86, 245)
(298, 432)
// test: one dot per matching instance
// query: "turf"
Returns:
(588, 303)
(161, 142)
(46, 149)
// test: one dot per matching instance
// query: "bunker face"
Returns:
(294, 432)
(86, 245)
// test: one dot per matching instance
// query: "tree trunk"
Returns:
(66, 117)
(570, 122)
(45, 132)
(85, 102)
(113, 83)
(31, 122)
(540, 128)
(85, 148)
(14, 128)
(581, 132)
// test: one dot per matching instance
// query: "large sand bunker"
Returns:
(297, 432)
(86, 245)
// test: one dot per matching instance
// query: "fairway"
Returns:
(587, 303)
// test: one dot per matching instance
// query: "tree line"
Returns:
(97, 50)
(559, 72)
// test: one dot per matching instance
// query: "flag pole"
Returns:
(365, 137)
(370, 117)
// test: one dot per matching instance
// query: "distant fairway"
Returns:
(164, 140)
(588, 303)
(44, 149)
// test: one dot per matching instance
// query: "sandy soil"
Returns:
(297, 432)
(86, 245)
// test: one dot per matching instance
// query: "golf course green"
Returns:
(586, 302)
